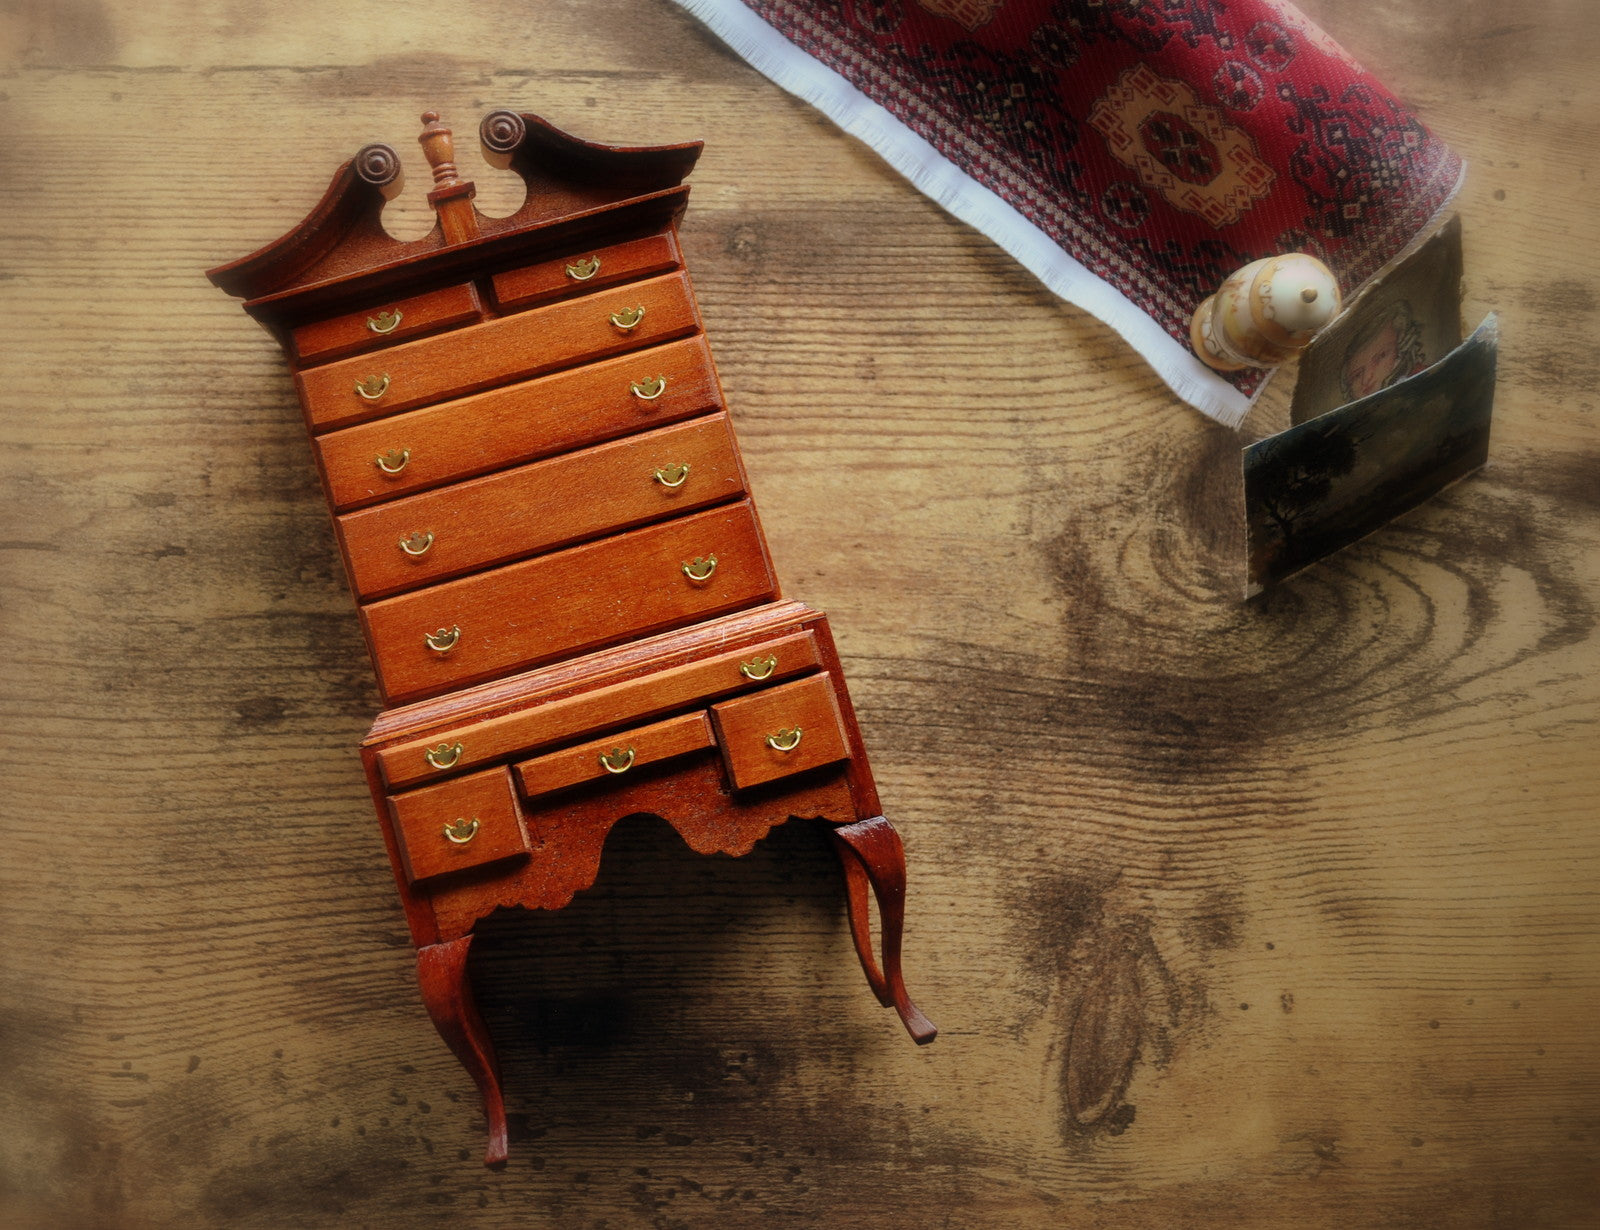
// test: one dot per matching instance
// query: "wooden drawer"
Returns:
(522, 422)
(566, 603)
(755, 730)
(457, 824)
(386, 323)
(578, 273)
(496, 352)
(571, 717)
(540, 507)
(616, 756)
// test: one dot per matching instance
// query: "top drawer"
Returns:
(498, 351)
(386, 323)
(578, 272)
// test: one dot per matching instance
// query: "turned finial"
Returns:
(1265, 313)
(452, 196)
(438, 146)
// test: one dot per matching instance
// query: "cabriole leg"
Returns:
(858, 889)
(871, 850)
(442, 974)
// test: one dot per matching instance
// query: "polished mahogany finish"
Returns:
(586, 270)
(627, 751)
(707, 671)
(520, 615)
(779, 731)
(557, 564)
(522, 422)
(393, 322)
(608, 322)
(464, 822)
(540, 507)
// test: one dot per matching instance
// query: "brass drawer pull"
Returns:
(784, 740)
(648, 390)
(393, 461)
(628, 319)
(445, 756)
(583, 270)
(460, 832)
(373, 387)
(673, 476)
(700, 569)
(757, 669)
(384, 322)
(417, 544)
(444, 640)
(617, 760)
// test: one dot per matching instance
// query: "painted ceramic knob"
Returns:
(1265, 313)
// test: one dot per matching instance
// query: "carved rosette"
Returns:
(379, 165)
(500, 133)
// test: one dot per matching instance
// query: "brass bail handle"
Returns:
(417, 544)
(460, 831)
(757, 669)
(649, 390)
(672, 476)
(784, 740)
(444, 640)
(700, 568)
(617, 760)
(445, 756)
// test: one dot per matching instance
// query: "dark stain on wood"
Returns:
(1340, 644)
(1103, 1031)
(1111, 998)
(1217, 921)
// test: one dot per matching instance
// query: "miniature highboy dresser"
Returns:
(551, 542)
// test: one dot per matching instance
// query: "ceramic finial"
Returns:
(1265, 313)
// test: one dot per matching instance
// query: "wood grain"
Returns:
(518, 423)
(598, 266)
(1230, 915)
(805, 715)
(366, 331)
(544, 506)
(558, 717)
(511, 348)
(484, 800)
(569, 602)
(588, 762)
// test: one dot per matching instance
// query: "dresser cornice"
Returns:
(571, 185)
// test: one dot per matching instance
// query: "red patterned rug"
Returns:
(1131, 153)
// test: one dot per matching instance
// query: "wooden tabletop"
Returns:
(1265, 915)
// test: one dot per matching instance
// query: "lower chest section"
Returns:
(513, 808)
